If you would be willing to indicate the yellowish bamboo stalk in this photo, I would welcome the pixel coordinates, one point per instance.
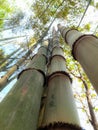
(5, 78)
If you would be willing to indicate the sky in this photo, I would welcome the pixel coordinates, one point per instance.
(90, 17)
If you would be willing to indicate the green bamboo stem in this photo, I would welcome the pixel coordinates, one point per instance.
(60, 110)
(42, 50)
(84, 50)
(57, 64)
(57, 50)
(37, 60)
(20, 108)
(60, 106)
(42, 106)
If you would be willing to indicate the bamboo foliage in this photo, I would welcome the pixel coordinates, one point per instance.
(84, 50)
(60, 108)
(20, 108)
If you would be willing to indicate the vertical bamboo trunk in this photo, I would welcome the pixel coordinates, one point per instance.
(44, 95)
(60, 111)
(84, 50)
(60, 108)
(20, 109)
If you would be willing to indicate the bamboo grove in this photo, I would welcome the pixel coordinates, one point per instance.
(42, 98)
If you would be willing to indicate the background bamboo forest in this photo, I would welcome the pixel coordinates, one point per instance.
(36, 62)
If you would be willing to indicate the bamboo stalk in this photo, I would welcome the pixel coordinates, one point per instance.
(9, 62)
(60, 106)
(60, 111)
(4, 60)
(10, 38)
(84, 50)
(42, 50)
(20, 108)
(57, 50)
(57, 64)
(4, 79)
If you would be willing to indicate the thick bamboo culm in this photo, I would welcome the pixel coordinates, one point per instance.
(60, 110)
(42, 50)
(85, 51)
(4, 79)
(20, 108)
(57, 50)
(60, 106)
(57, 64)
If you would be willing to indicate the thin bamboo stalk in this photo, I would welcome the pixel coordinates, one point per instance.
(9, 62)
(4, 79)
(5, 59)
(10, 38)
